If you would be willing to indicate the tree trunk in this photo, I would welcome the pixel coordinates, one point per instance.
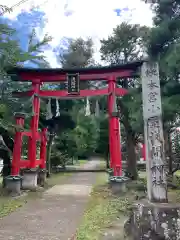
(131, 158)
(49, 147)
(130, 141)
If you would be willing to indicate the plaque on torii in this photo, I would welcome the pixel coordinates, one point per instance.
(73, 83)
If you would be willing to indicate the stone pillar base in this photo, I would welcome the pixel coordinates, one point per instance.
(153, 221)
(41, 179)
(110, 172)
(29, 179)
(118, 184)
(13, 185)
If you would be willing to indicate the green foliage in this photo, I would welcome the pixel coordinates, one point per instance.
(165, 32)
(86, 135)
(165, 10)
(131, 111)
(103, 141)
(60, 148)
(125, 44)
(164, 44)
(59, 158)
(82, 139)
(176, 144)
(79, 53)
(11, 55)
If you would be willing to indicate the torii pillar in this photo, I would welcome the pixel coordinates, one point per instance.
(114, 130)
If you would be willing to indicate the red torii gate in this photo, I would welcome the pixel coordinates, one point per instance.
(40, 76)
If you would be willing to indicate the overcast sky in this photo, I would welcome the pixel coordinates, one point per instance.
(83, 18)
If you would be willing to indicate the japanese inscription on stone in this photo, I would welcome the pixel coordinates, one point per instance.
(153, 133)
(156, 150)
(73, 83)
(151, 90)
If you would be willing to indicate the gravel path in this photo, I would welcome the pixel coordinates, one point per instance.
(54, 217)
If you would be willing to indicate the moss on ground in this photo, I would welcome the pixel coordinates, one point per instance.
(9, 204)
(104, 211)
(103, 208)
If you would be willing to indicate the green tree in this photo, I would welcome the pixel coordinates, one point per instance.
(79, 53)
(86, 135)
(103, 140)
(12, 55)
(127, 44)
(164, 45)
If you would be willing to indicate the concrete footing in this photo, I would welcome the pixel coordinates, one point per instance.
(155, 221)
(118, 184)
(13, 185)
(29, 179)
(41, 179)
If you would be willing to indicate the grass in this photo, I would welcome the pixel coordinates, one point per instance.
(177, 173)
(102, 209)
(173, 194)
(9, 204)
(82, 162)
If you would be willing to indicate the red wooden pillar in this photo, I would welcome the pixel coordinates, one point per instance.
(17, 145)
(118, 156)
(111, 88)
(114, 131)
(43, 148)
(34, 125)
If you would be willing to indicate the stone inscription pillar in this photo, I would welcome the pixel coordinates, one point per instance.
(153, 133)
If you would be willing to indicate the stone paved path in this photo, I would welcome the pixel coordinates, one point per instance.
(54, 217)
